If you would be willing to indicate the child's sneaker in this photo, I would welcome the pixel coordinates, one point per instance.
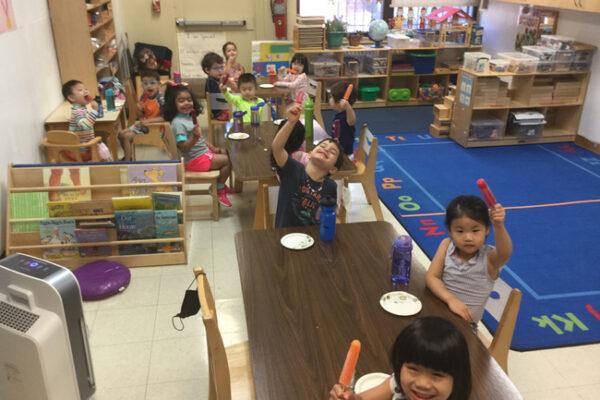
(223, 199)
(227, 189)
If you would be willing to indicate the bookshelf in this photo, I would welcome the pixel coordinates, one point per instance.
(74, 24)
(558, 95)
(106, 181)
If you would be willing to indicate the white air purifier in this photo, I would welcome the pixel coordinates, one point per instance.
(44, 352)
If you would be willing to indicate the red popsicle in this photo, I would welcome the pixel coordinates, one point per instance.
(350, 363)
(194, 119)
(488, 196)
(88, 98)
(348, 92)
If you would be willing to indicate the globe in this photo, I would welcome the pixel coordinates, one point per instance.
(378, 29)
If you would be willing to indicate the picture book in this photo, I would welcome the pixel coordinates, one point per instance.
(58, 231)
(92, 207)
(97, 223)
(28, 205)
(69, 176)
(132, 203)
(93, 235)
(167, 226)
(135, 224)
(59, 209)
(151, 174)
(166, 200)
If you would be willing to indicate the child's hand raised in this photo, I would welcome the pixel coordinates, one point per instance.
(459, 308)
(497, 215)
(293, 113)
(94, 104)
(197, 131)
(337, 392)
(344, 104)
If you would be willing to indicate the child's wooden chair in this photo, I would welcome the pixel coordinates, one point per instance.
(195, 178)
(229, 370)
(64, 146)
(506, 327)
(212, 123)
(366, 161)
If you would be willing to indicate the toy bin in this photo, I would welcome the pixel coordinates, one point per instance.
(582, 60)
(557, 42)
(398, 40)
(431, 92)
(324, 69)
(375, 65)
(489, 128)
(477, 61)
(526, 124)
(520, 63)
(563, 60)
(423, 62)
(499, 65)
(368, 92)
(399, 94)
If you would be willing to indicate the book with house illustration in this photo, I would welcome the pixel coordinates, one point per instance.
(67, 176)
(166, 200)
(167, 226)
(93, 235)
(58, 231)
(133, 225)
(28, 205)
(151, 173)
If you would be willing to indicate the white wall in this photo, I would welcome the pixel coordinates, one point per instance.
(30, 87)
(500, 30)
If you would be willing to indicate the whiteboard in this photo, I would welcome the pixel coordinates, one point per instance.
(193, 46)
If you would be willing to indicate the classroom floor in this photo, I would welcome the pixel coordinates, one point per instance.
(138, 355)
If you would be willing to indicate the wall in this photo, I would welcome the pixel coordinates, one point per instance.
(31, 87)
(499, 22)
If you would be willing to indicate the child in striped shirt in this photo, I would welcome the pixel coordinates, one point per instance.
(82, 120)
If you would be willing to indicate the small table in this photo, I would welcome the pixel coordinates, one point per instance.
(112, 122)
(303, 308)
(251, 161)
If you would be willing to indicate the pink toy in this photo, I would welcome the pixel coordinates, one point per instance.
(486, 192)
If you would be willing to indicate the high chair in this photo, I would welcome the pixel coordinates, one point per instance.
(229, 371)
(64, 146)
(366, 161)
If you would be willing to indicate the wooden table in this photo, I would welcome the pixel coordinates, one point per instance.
(277, 92)
(303, 308)
(251, 161)
(112, 122)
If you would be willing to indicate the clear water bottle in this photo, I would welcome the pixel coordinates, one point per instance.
(109, 95)
(327, 222)
(255, 115)
(401, 260)
(238, 121)
(100, 110)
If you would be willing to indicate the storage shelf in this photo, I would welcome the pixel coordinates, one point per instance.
(91, 7)
(384, 48)
(501, 74)
(440, 73)
(359, 76)
(515, 104)
(111, 37)
(100, 25)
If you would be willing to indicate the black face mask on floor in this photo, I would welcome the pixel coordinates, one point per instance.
(190, 306)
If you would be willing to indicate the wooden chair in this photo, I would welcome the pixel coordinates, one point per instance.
(64, 146)
(504, 332)
(208, 177)
(366, 161)
(229, 371)
(269, 204)
(212, 123)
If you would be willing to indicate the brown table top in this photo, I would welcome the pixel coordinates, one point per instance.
(251, 158)
(303, 308)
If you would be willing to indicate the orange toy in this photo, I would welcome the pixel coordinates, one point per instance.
(350, 364)
(348, 92)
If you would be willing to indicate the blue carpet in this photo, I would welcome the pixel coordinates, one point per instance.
(556, 258)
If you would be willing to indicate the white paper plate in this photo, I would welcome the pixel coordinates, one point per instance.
(266, 86)
(369, 381)
(278, 121)
(238, 136)
(400, 303)
(297, 241)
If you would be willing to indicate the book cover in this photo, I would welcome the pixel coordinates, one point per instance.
(93, 207)
(28, 205)
(97, 223)
(59, 209)
(167, 226)
(135, 224)
(151, 174)
(132, 203)
(93, 235)
(69, 176)
(58, 231)
(166, 200)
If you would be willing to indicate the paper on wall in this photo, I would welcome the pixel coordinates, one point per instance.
(193, 46)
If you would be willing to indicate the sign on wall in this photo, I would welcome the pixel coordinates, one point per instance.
(193, 46)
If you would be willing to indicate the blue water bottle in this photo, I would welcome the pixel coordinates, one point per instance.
(109, 95)
(100, 110)
(327, 227)
(401, 260)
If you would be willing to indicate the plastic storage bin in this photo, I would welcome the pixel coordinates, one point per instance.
(526, 123)
(375, 65)
(499, 65)
(520, 63)
(563, 60)
(557, 42)
(423, 62)
(477, 61)
(431, 92)
(398, 40)
(582, 60)
(368, 92)
(489, 128)
(323, 69)
(351, 67)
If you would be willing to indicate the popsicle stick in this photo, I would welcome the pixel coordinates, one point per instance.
(350, 363)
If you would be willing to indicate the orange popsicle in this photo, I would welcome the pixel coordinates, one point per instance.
(350, 363)
(348, 92)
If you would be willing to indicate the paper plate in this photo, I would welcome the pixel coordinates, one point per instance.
(266, 86)
(278, 121)
(238, 136)
(369, 381)
(297, 241)
(400, 303)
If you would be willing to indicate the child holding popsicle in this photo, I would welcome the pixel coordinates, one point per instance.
(342, 100)
(214, 67)
(181, 108)
(430, 358)
(296, 79)
(247, 97)
(464, 268)
(233, 69)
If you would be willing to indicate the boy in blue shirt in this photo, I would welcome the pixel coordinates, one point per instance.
(345, 115)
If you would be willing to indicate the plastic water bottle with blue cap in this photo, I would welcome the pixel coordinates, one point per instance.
(401, 260)
(327, 222)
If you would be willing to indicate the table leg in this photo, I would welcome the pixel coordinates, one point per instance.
(259, 209)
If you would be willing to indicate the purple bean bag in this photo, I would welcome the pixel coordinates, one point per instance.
(101, 279)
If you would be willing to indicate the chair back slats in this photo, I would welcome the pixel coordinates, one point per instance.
(62, 137)
(504, 332)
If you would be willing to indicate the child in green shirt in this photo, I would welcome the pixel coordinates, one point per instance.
(246, 98)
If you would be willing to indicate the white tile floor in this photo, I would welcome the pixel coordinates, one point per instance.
(138, 355)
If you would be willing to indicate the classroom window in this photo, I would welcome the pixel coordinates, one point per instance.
(357, 13)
